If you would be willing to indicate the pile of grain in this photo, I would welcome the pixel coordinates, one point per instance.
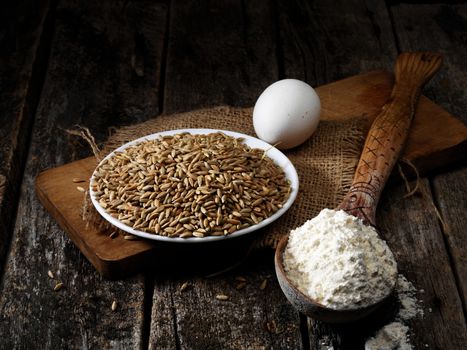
(188, 185)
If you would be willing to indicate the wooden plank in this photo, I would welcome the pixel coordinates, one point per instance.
(22, 67)
(221, 53)
(410, 226)
(251, 318)
(447, 25)
(90, 80)
(438, 27)
(450, 193)
(119, 52)
(324, 41)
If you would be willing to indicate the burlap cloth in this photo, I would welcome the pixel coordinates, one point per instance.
(325, 163)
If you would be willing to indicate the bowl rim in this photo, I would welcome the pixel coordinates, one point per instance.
(277, 156)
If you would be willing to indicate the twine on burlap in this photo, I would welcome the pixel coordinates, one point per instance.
(325, 163)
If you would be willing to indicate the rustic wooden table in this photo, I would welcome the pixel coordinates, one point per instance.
(112, 63)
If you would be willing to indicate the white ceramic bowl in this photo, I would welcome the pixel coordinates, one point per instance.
(277, 156)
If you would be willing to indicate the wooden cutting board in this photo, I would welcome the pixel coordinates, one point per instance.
(437, 139)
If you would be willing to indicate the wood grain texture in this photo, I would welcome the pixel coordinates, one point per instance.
(110, 48)
(80, 314)
(447, 25)
(113, 258)
(251, 318)
(90, 80)
(22, 65)
(203, 70)
(440, 27)
(219, 53)
(450, 193)
(411, 228)
(324, 41)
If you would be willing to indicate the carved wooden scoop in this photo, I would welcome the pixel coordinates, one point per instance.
(383, 145)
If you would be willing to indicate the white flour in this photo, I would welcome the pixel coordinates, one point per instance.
(395, 335)
(339, 262)
(409, 305)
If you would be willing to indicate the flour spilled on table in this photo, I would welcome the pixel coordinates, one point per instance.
(395, 335)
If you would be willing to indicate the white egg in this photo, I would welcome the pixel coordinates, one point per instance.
(287, 113)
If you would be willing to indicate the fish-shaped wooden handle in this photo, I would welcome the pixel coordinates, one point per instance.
(388, 134)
